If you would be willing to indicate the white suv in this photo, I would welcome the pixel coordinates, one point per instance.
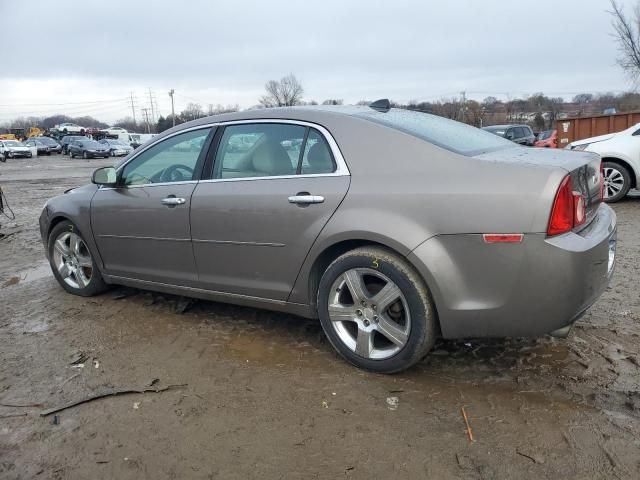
(620, 153)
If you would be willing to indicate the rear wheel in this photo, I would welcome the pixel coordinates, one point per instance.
(376, 310)
(617, 181)
(72, 263)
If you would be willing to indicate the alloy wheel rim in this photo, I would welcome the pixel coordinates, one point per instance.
(369, 313)
(72, 260)
(613, 182)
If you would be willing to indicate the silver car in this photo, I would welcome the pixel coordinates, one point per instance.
(392, 227)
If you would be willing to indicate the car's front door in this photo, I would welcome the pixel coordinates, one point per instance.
(272, 189)
(142, 226)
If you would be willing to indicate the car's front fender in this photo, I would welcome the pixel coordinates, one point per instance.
(74, 206)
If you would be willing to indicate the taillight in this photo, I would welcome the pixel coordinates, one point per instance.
(568, 211)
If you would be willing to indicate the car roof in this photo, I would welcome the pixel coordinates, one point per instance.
(507, 126)
(323, 115)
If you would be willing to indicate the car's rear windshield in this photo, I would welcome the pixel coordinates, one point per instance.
(449, 134)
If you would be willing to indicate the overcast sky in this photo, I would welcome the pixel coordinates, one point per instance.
(210, 52)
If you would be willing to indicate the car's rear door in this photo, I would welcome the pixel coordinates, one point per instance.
(272, 188)
(142, 226)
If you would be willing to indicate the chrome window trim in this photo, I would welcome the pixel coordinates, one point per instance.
(341, 165)
(161, 184)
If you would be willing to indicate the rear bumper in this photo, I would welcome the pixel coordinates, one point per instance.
(522, 289)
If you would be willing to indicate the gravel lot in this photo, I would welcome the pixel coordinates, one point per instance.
(264, 395)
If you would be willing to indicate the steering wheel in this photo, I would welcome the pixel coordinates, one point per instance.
(174, 173)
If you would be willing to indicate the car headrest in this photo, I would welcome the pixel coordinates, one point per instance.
(271, 158)
(319, 159)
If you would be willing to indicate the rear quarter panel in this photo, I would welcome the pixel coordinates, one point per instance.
(404, 191)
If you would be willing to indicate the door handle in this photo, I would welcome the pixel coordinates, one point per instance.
(172, 201)
(306, 199)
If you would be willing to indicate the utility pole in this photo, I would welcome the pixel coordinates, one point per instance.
(464, 106)
(133, 109)
(145, 114)
(153, 117)
(173, 113)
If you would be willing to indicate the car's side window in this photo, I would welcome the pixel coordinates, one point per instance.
(259, 150)
(171, 160)
(317, 156)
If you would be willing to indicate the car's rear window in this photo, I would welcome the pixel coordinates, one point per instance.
(449, 134)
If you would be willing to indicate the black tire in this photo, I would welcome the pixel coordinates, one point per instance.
(423, 328)
(65, 131)
(3, 158)
(96, 285)
(626, 177)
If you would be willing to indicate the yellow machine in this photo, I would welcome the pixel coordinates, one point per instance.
(35, 132)
(7, 136)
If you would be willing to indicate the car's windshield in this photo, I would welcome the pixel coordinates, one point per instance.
(449, 134)
(13, 143)
(46, 140)
(115, 143)
(495, 130)
(89, 143)
(544, 135)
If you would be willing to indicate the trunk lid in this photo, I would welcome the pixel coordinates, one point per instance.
(584, 168)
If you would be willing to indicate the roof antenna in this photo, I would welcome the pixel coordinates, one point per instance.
(383, 105)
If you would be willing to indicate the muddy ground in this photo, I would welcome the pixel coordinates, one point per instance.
(264, 395)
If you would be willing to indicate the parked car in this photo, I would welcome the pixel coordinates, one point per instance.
(547, 139)
(520, 134)
(620, 154)
(115, 131)
(54, 147)
(70, 128)
(14, 149)
(40, 146)
(387, 217)
(117, 148)
(66, 140)
(86, 148)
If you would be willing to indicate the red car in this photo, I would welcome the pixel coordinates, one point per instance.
(547, 139)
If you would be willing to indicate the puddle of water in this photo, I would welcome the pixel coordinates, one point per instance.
(259, 347)
(30, 275)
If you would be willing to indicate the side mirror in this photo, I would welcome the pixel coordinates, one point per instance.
(106, 176)
(510, 136)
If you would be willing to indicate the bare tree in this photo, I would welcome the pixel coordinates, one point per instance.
(627, 35)
(283, 93)
(193, 111)
(332, 101)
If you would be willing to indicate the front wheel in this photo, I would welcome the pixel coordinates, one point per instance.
(71, 261)
(617, 182)
(376, 310)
